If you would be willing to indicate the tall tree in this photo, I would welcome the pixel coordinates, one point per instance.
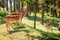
(18, 6)
(14, 6)
(22, 4)
(10, 5)
(42, 16)
(7, 5)
(35, 11)
(42, 2)
(3, 4)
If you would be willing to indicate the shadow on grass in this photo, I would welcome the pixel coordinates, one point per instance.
(46, 35)
(52, 22)
(45, 21)
(14, 31)
(43, 35)
(19, 29)
(32, 18)
(2, 21)
(19, 25)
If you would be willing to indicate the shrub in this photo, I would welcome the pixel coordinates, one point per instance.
(3, 13)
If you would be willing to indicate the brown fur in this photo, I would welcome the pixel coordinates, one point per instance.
(49, 25)
(15, 17)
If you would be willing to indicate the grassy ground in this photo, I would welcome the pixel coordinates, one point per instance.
(26, 30)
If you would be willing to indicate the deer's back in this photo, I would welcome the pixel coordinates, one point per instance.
(12, 18)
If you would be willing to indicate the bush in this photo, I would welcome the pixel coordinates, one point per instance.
(3, 13)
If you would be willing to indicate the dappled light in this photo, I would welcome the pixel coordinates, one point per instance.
(29, 19)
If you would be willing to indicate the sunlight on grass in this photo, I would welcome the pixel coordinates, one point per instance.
(4, 37)
(26, 29)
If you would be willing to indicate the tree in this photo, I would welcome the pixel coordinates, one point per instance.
(28, 7)
(42, 2)
(7, 5)
(14, 6)
(35, 11)
(22, 4)
(2, 4)
(42, 16)
(18, 6)
(10, 5)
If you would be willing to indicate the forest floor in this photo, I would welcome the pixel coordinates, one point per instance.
(26, 31)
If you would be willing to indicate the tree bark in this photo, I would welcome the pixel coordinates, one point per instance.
(3, 5)
(7, 5)
(11, 6)
(42, 19)
(59, 14)
(35, 11)
(18, 6)
(21, 5)
(35, 21)
(14, 6)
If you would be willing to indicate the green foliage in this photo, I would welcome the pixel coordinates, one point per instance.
(2, 21)
(3, 13)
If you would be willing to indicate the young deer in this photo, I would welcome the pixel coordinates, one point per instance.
(15, 17)
(49, 25)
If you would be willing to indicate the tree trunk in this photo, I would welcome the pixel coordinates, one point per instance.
(18, 6)
(59, 14)
(35, 21)
(27, 8)
(21, 5)
(42, 19)
(14, 6)
(35, 11)
(11, 6)
(3, 4)
(7, 5)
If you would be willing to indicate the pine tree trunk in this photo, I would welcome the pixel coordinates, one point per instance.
(14, 6)
(59, 14)
(18, 6)
(21, 5)
(7, 5)
(28, 9)
(3, 5)
(35, 21)
(42, 19)
(35, 11)
(11, 6)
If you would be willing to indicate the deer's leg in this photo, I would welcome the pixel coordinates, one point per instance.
(11, 25)
(21, 20)
(7, 26)
(16, 24)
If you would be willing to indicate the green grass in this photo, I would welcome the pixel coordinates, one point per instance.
(54, 20)
(42, 35)
(32, 33)
(2, 21)
(28, 30)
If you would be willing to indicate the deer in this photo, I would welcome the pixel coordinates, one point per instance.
(49, 25)
(15, 18)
